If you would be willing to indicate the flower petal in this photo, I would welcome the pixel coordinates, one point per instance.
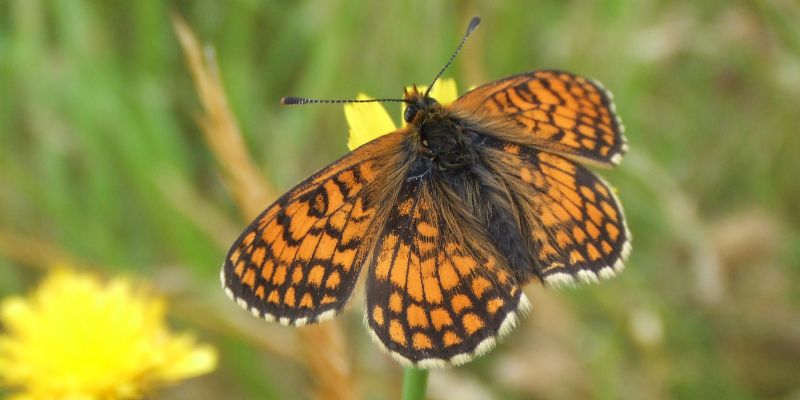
(80, 337)
(367, 121)
(445, 91)
(190, 360)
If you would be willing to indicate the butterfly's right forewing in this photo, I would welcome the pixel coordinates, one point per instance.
(554, 111)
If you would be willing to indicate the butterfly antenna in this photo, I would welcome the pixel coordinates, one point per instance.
(292, 101)
(473, 23)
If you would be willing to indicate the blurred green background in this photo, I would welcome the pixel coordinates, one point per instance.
(102, 164)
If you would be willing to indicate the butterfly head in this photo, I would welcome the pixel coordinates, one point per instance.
(418, 105)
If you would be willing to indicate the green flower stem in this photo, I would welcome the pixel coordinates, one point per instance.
(415, 381)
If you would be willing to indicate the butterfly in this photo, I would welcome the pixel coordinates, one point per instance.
(448, 217)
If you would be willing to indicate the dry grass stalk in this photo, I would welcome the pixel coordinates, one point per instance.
(248, 187)
(37, 253)
(212, 313)
(324, 345)
(325, 351)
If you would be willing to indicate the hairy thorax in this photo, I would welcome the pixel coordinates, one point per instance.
(447, 143)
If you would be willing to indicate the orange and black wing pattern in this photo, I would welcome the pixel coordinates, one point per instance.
(432, 300)
(576, 223)
(554, 111)
(299, 261)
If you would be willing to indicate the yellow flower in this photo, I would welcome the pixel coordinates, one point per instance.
(77, 338)
(368, 121)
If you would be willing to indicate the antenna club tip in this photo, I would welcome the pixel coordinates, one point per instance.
(473, 23)
(288, 101)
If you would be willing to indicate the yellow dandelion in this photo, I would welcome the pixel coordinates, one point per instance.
(368, 121)
(77, 338)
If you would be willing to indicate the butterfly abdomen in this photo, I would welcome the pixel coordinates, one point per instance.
(504, 231)
(502, 222)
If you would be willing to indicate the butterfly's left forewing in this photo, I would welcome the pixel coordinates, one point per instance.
(299, 261)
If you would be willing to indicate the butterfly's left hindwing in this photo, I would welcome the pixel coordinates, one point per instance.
(299, 261)
(433, 297)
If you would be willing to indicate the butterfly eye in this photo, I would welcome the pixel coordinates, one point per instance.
(411, 112)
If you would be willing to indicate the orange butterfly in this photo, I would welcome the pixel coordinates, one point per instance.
(450, 216)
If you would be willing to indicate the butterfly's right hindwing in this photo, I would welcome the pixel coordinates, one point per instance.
(572, 218)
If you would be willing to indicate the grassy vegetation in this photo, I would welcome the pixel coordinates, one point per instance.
(103, 164)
